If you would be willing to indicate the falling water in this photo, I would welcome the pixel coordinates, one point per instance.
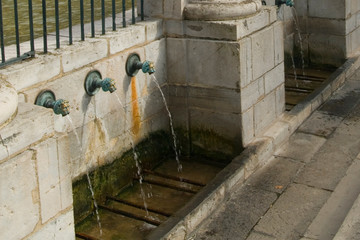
(171, 123)
(87, 175)
(297, 28)
(136, 158)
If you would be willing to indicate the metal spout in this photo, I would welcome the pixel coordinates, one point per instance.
(47, 99)
(134, 64)
(94, 82)
(289, 3)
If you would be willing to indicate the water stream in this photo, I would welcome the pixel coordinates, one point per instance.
(171, 123)
(297, 29)
(136, 158)
(87, 175)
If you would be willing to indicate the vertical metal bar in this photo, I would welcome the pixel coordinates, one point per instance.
(70, 22)
(103, 17)
(113, 15)
(124, 10)
(133, 11)
(92, 19)
(31, 26)
(142, 10)
(82, 20)
(17, 28)
(44, 25)
(2, 35)
(57, 24)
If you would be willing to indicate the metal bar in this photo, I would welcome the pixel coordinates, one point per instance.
(124, 13)
(166, 214)
(70, 22)
(102, 17)
(44, 25)
(142, 10)
(16, 16)
(133, 11)
(113, 15)
(166, 185)
(92, 19)
(131, 215)
(57, 24)
(82, 20)
(85, 236)
(2, 35)
(31, 26)
(17, 59)
(174, 178)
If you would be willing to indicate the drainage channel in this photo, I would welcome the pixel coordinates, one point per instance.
(305, 82)
(140, 208)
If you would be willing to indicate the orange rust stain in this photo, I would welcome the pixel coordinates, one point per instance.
(135, 108)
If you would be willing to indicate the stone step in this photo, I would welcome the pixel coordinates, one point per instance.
(350, 228)
(332, 214)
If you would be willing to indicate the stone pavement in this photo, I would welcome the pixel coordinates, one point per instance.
(309, 189)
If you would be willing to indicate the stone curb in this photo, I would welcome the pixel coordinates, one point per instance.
(256, 154)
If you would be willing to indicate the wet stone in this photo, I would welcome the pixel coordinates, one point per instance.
(236, 219)
(293, 212)
(301, 146)
(320, 124)
(276, 176)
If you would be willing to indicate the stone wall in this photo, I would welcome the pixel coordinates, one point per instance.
(328, 31)
(41, 154)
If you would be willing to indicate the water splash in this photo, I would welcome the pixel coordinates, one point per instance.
(297, 28)
(171, 123)
(87, 175)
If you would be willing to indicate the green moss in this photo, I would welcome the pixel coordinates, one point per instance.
(110, 179)
(208, 143)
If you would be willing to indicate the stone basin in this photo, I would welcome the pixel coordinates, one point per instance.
(221, 9)
(8, 102)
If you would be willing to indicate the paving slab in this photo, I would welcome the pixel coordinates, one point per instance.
(293, 212)
(331, 162)
(321, 124)
(236, 218)
(344, 101)
(275, 176)
(334, 211)
(301, 146)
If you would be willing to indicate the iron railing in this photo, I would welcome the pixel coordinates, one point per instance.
(79, 14)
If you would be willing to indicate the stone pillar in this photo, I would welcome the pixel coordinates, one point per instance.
(225, 73)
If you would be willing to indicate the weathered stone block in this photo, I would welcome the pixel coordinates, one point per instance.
(204, 69)
(280, 100)
(322, 9)
(153, 8)
(154, 29)
(264, 113)
(246, 74)
(247, 126)
(218, 99)
(173, 9)
(156, 53)
(125, 38)
(279, 132)
(263, 51)
(30, 125)
(274, 78)
(252, 93)
(83, 53)
(42, 69)
(176, 50)
(251, 24)
(64, 171)
(48, 176)
(279, 42)
(19, 203)
(60, 228)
